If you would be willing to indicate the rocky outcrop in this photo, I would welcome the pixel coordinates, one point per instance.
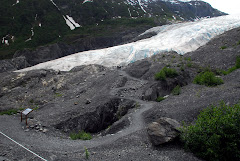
(163, 130)
(98, 120)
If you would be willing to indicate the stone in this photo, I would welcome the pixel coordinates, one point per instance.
(88, 101)
(163, 130)
(45, 130)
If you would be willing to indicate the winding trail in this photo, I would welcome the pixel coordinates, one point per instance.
(11, 126)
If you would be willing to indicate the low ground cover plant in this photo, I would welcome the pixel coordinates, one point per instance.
(176, 90)
(215, 134)
(159, 99)
(207, 78)
(11, 111)
(81, 135)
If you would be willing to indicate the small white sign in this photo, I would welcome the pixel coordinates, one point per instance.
(27, 111)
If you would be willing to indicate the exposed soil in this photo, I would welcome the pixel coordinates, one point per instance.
(114, 104)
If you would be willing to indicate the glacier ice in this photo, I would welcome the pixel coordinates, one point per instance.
(181, 37)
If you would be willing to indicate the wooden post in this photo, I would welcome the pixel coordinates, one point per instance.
(21, 116)
(26, 119)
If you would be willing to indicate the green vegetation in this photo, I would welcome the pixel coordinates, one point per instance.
(238, 43)
(207, 78)
(189, 64)
(176, 90)
(81, 135)
(223, 47)
(188, 59)
(137, 105)
(230, 70)
(159, 99)
(166, 72)
(58, 94)
(86, 153)
(11, 111)
(215, 134)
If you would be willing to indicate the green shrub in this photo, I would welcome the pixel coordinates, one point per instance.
(207, 78)
(170, 72)
(223, 47)
(215, 134)
(81, 135)
(176, 90)
(166, 72)
(160, 75)
(159, 99)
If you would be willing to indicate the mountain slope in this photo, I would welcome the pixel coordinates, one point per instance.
(31, 23)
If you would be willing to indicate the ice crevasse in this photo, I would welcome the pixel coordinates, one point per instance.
(181, 37)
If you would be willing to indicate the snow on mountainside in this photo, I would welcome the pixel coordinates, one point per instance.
(182, 38)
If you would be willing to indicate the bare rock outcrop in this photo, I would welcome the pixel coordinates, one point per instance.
(163, 130)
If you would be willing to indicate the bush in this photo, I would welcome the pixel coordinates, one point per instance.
(215, 134)
(160, 75)
(207, 78)
(176, 90)
(166, 72)
(81, 135)
(159, 99)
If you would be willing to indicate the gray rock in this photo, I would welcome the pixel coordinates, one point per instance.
(163, 130)
(88, 101)
(45, 130)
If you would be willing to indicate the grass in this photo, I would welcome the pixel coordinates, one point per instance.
(207, 78)
(58, 94)
(166, 72)
(215, 134)
(11, 111)
(159, 99)
(81, 135)
(176, 90)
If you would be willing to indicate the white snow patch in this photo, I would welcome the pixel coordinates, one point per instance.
(68, 22)
(16, 3)
(87, 1)
(72, 21)
(141, 5)
(29, 39)
(182, 38)
(129, 12)
(55, 4)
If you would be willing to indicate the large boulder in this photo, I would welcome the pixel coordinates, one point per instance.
(163, 130)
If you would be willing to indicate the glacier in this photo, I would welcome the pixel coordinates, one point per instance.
(182, 38)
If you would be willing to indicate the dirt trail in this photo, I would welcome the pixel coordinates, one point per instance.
(11, 126)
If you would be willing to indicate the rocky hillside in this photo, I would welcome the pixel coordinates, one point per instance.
(114, 104)
(81, 25)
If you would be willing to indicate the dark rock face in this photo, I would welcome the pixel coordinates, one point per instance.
(163, 130)
(98, 120)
